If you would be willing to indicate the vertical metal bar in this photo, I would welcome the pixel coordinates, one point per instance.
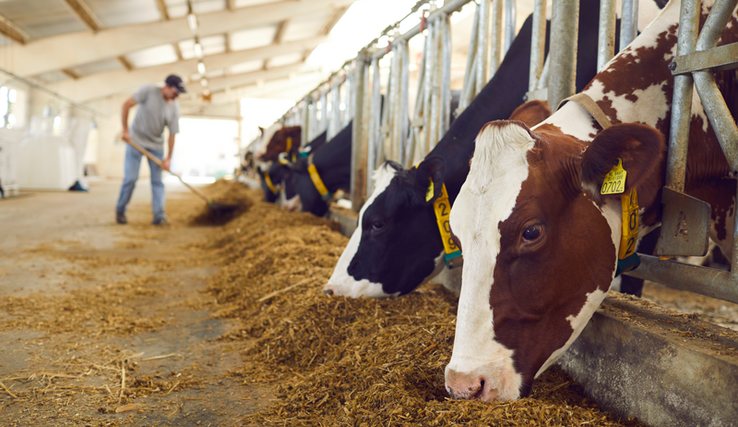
(628, 23)
(467, 90)
(323, 113)
(405, 85)
(305, 121)
(335, 109)
(483, 46)
(358, 134)
(435, 86)
(537, 44)
(313, 126)
(681, 110)
(429, 56)
(565, 25)
(606, 33)
(445, 114)
(495, 52)
(510, 23)
(374, 124)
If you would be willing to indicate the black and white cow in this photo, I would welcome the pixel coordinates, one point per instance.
(332, 161)
(397, 244)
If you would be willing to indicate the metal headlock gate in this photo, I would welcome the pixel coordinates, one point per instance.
(383, 128)
(693, 67)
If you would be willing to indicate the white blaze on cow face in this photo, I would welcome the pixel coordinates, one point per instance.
(480, 367)
(341, 282)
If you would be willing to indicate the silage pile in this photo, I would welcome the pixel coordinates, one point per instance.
(341, 361)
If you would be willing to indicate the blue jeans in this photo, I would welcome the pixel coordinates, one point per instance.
(132, 166)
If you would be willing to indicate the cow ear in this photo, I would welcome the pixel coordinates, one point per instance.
(531, 113)
(641, 149)
(431, 169)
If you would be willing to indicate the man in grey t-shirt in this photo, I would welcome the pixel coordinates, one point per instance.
(157, 107)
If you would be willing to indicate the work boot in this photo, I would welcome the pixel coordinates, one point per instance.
(120, 218)
(160, 222)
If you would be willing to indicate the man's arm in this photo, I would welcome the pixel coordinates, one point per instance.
(130, 102)
(167, 161)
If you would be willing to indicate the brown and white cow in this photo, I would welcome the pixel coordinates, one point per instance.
(540, 242)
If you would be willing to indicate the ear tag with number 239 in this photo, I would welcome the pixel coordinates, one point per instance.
(614, 182)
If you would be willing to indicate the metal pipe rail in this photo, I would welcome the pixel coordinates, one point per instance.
(693, 67)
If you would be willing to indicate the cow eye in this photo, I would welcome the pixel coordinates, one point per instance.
(377, 225)
(532, 233)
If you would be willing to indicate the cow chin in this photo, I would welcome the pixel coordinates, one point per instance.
(495, 380)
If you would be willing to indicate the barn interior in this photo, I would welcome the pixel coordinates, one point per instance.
(217, 316)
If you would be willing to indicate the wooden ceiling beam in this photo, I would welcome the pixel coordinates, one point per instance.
(125, 63)
(85, 14)
(54, 53)
(163, 10)
(70, 73)
(178, 51)
(12, 31)
(333, 19)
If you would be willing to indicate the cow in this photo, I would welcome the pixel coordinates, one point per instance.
(541, 243)
(283, 140)
(332, 162)
(276, 175)
(397, 244)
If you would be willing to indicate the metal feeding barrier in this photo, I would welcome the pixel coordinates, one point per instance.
(685, 220)
(383, 127)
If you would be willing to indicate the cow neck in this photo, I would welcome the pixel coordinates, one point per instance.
(627, 257)
(269, 183)
(317, 180)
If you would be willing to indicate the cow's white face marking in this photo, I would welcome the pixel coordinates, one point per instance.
(341, 282)
(487, 198)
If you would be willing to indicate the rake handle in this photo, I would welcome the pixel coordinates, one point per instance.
(158, 163)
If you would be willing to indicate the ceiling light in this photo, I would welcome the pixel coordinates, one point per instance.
(206, 92)
(204, 82)
(192, 21)
(198, 50)
(201, 68)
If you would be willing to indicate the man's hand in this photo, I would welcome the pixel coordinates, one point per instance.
(125, 136)
(165, 164)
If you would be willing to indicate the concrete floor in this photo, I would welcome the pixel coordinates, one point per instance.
(58, 247)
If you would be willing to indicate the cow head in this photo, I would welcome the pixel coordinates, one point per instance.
(283, 140)
(540, 247)
(396, 245)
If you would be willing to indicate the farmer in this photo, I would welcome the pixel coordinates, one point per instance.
(157, 107)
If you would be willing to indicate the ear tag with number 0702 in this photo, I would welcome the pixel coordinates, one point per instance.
(614, 182)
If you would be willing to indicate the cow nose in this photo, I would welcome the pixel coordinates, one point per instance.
(328, 291)
(466, 386)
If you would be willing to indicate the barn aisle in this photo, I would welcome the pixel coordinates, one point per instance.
(104, 324)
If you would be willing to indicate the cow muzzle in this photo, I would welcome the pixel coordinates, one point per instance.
(488, 383)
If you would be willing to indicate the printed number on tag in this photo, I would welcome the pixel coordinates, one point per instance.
(614, 182)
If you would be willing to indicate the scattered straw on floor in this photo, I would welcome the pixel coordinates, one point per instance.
(341, 361)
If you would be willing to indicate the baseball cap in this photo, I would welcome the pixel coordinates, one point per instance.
(176, 83)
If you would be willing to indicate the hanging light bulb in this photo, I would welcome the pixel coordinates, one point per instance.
(201, 67)
(191, 18)
(198, 48)
(204, 82)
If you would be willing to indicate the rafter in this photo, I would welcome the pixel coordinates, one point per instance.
(70, 73)
(100, 85)
(84, 13)
(12, 31)
(125, 63)
(162, 6)
(281, 29)
(333, 19)
(231, 4)
(53, 53)
(178, 51)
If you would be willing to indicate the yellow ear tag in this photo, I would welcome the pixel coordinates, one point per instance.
(431, 192)
(614, 182)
